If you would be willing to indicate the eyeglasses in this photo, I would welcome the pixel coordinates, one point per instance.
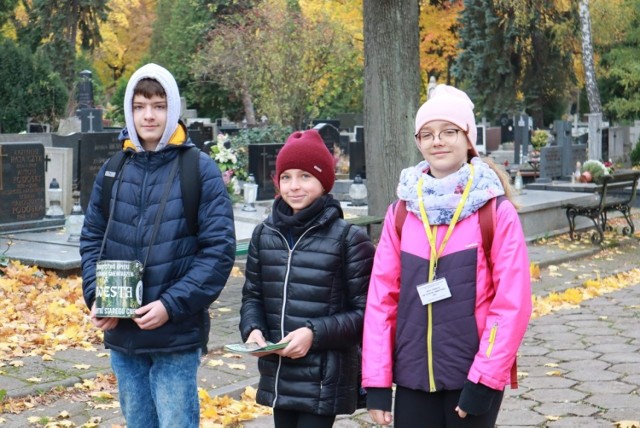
(447, 136)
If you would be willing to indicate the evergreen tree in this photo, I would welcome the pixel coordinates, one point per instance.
(56, 26)
(517, 56)
(620, 64)
(29, 89)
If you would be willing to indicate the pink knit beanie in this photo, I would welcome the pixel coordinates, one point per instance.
(307, 151)
(452, 105)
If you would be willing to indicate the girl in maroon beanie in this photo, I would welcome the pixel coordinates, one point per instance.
(307, 277)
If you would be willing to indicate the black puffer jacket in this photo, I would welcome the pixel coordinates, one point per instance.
(310, 285)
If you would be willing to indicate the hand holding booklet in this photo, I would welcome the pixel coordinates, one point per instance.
(250, 348)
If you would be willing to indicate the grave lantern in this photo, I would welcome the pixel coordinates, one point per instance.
(358, 192)
(55, 200)
(250, 191)
(74, 222)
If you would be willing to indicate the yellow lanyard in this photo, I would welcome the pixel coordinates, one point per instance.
(432, 235)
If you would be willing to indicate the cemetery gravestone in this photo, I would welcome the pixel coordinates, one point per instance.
(331, 136)
(90, 119)
(262, 164)
(550, 164)
(95, 149)
(199, 134)
(506, 129)
(22, 186)
(357, 155)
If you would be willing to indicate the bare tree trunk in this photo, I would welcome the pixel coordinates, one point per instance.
(391, 95)
(593, 94)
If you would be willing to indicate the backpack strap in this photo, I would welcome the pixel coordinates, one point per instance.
(114, 165)
(487, 228)
(401, 215)
(190, 186)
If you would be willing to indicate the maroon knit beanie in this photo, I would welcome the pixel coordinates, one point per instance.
(306, 151)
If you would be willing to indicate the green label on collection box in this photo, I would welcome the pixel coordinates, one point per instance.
(118, 288)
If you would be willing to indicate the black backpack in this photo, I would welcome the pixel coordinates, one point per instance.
(189, 183)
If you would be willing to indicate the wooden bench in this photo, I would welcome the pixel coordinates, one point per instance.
(611, 195)
(365, 221)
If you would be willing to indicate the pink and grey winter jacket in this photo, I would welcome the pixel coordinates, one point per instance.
(474, 334)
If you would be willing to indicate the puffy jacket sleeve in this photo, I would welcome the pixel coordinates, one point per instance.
(216, 242)
(510, 309)
(92, 234)
(252, 312)
(344, 328)
(381, 309)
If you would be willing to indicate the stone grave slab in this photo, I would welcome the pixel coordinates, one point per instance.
(22, 183)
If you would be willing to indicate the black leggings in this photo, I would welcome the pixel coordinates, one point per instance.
(437, 410)
(295, 419)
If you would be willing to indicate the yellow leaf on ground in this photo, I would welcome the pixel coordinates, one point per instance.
(16, 363)
(102, 355)
(237, 366)
(215, 363)
(64, 414)
(224, 310)
(34, 379)
(82, 366)
(551, 365)
(627, 424)
(47, 357)
(102, 394)
(554, 373)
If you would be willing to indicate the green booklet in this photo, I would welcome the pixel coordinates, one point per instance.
(250, 348)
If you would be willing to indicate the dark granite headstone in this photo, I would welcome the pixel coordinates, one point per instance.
(262, 164)
(550, 163)
(22, 187)
(85, 90)
(95, 149)
(605, 144)
(522, 137)
(330, 135)
(357, 155)
(506, 128)
(200, 133)
(90, 119)
(333, 122)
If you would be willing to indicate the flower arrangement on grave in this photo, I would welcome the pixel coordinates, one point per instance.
(592, 171)
(539, 139)
(228, 160)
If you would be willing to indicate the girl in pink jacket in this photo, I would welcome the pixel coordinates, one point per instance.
(444, 320)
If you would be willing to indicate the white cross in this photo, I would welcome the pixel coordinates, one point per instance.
(90, 117)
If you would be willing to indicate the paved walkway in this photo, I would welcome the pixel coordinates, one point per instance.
(580, 366)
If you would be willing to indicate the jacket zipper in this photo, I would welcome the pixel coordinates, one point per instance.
(284, 301)
(492, 339)
(432, 382)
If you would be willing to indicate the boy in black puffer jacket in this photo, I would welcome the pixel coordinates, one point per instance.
(307, 278)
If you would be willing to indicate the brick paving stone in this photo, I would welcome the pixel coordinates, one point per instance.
(610, 348)
(614, 387)
(616, 401)
(575, 422)
(582, 365)
(548, 382)
(625, 368)
(592, 375)
(567, 409)
(574, 354)
(520, 418)
(621, 357)
(547, 395)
